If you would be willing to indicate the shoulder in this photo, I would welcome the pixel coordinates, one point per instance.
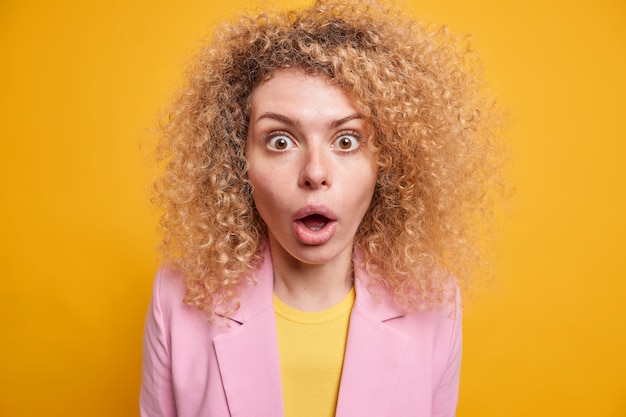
(441, 324)
(180, 322)
(168, 307)
(168, 288)
(380, 303)
(167, 295)
(431, 343)
(437, 328)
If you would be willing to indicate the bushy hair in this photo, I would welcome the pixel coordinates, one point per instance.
(420, 90)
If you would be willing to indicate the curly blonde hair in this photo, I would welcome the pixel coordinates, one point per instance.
(420, 89)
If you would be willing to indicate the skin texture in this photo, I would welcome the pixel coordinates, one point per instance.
(313, 178)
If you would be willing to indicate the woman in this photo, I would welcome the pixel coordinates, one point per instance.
(322, 171)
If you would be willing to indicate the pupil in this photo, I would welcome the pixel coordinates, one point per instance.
(281, 143)
(345, 143)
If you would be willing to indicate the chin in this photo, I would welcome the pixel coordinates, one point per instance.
(320, 254)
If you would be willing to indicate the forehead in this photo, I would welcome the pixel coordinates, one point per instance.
(293, 90)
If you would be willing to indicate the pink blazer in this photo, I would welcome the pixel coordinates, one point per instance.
(395, 364)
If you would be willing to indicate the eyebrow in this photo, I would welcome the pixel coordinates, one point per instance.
(288, 121)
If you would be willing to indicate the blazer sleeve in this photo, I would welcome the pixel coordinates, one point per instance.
(445, 397)
(157, 395)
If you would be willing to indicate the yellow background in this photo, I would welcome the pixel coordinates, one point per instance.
(83, 83)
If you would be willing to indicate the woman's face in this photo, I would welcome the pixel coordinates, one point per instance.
(312, 172)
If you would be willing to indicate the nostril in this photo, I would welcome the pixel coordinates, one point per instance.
(315, 184)
(314, 173)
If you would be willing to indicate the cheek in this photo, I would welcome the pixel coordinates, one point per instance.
(368, 182)
(265, 189)
(368, 186)
(258, 184)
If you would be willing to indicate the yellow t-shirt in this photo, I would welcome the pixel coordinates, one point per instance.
(312, 347)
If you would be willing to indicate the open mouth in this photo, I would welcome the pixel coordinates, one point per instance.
(315, 222)
(314, 225)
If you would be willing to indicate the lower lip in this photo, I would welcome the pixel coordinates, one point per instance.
(314, 238)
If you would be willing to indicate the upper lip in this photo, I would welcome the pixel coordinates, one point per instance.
(312, 209)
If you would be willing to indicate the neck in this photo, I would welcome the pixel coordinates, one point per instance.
(311, 287)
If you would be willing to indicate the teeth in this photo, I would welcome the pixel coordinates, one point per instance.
(315, 222)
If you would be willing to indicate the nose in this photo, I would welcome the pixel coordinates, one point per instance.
(315, 172)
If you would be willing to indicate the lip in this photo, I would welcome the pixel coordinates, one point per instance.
(311, 237)
(314, 209)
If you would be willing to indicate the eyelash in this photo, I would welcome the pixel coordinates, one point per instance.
(356, 135)
(269, 137)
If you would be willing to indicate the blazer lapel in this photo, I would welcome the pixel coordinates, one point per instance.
(248, 354)
(249, 362)
(374, 356)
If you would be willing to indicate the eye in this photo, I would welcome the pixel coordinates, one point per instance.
(347, 141)
(280, 142)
